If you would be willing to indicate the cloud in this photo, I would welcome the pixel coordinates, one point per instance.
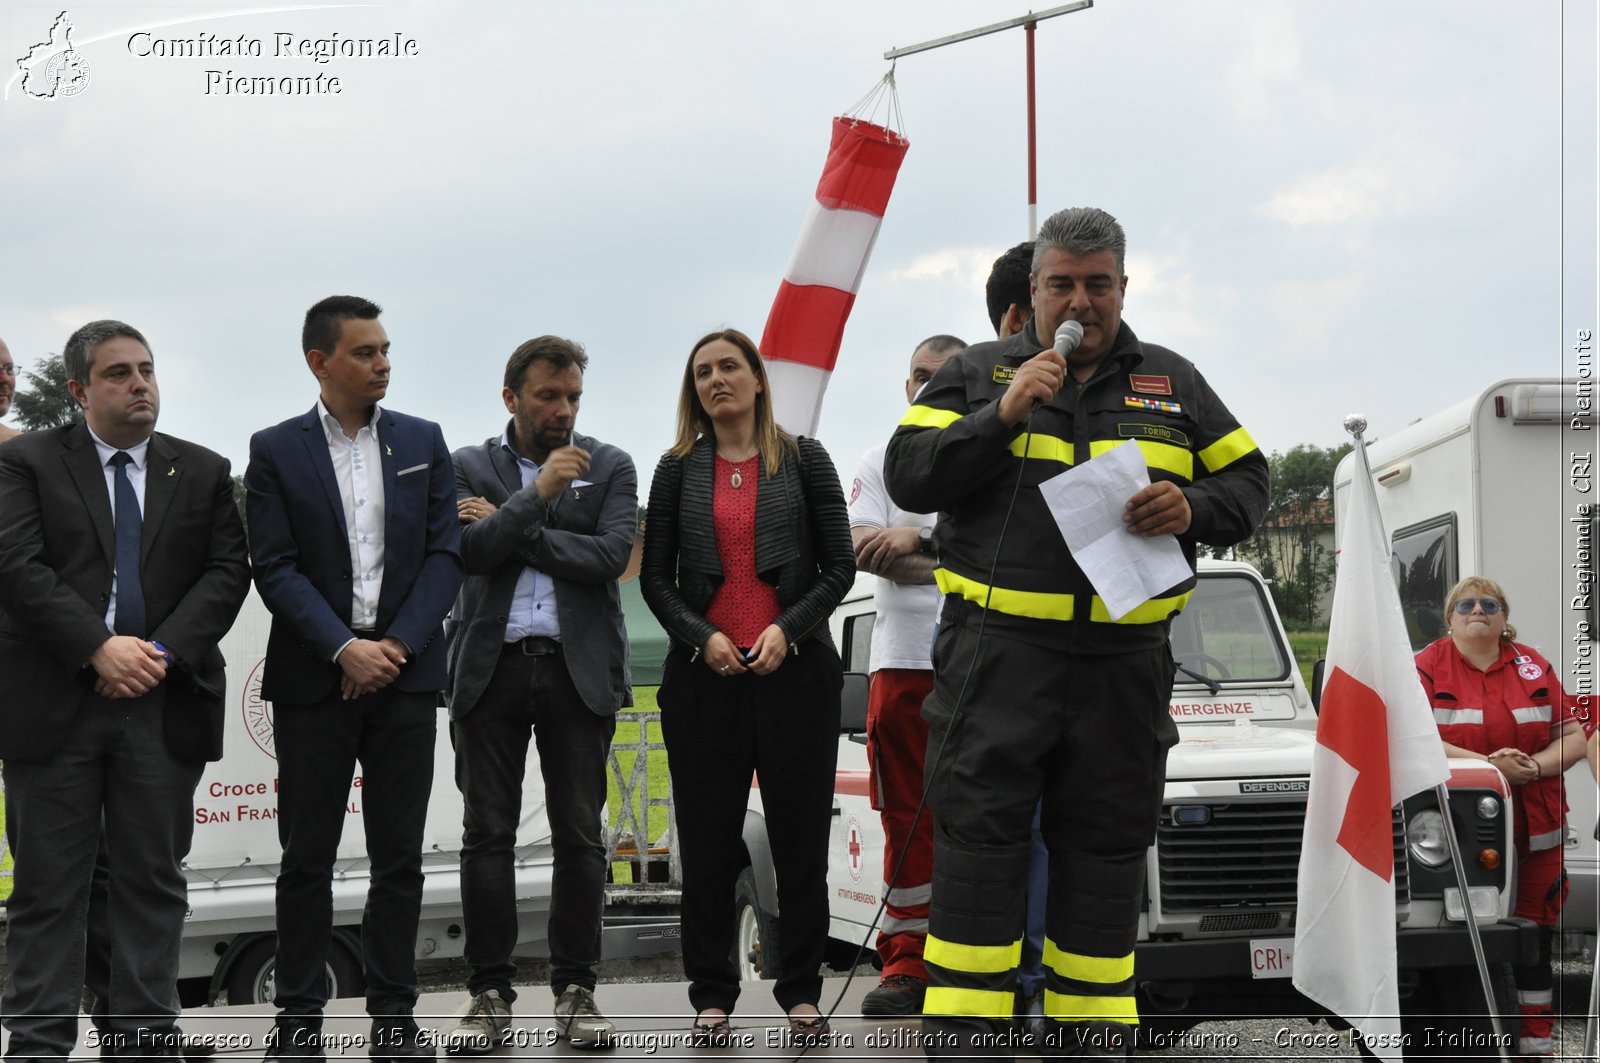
(1166, 299)
(1310, 310)
(1361, 192)
(966, 266)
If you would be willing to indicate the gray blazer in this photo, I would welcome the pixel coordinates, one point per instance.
(581, 539)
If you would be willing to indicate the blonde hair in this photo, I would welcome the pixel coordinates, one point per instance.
(1480, 586)
(772, 442)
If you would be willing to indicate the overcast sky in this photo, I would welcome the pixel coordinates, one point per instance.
(1330, 207)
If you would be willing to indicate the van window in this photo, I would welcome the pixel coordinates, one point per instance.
(858, 641)
(1227, 633)
(1424, 562)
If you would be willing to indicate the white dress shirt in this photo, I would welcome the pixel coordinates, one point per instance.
(358, 467)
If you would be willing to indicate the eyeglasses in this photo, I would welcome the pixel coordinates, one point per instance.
(1465, 606)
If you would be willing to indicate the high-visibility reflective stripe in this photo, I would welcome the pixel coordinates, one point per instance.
(1064, 1007)
(1044, 605)
(1227, 450)
(892, 926)
(1038, 604)
(1535, 1046)
(1107, 970)
(928, 417)
(976, 959)
(1532, 714)
(1536, 997)
(906, 896)
(1043, 447)
(1157, 455)
(1151, 612)
(1444, 717)
(978, 1003)
(1548, 840)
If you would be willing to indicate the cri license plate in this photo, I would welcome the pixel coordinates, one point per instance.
(1271, 957)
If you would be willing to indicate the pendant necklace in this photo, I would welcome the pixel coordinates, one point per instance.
(736, 478)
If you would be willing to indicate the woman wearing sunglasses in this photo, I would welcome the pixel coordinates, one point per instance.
(1497, 700)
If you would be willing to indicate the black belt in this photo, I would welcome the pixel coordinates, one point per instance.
(534, 646)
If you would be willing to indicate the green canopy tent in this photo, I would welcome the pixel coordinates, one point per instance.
(647, 641)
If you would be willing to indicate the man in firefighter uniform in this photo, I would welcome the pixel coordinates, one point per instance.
(1038, 694)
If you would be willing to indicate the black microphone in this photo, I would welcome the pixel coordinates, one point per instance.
(1068, 336)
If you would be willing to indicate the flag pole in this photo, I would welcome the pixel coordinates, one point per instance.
(1589, 1030)
(1356, 425)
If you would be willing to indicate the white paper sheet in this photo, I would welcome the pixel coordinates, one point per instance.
(1087, 503)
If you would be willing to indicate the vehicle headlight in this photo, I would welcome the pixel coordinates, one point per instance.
(1426, 839)
(1488, 807)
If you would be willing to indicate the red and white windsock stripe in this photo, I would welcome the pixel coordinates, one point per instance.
(806, 325)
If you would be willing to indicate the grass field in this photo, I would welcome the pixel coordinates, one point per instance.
(650, 784)
(1307, 646)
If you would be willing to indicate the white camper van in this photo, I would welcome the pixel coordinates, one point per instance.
(1502, 485)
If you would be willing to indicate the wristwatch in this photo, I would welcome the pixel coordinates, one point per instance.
(925, 540)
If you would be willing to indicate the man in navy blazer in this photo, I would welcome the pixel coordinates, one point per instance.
(538, 649)
(122, 565)
(356, 550)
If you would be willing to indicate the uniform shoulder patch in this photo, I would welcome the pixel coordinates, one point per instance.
(1004, 374)
(1149, 384)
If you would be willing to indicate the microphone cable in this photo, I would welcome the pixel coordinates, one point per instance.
(929, 769)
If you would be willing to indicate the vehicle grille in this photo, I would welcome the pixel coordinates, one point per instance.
(1247, 855)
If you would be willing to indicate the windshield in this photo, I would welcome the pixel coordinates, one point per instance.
(1226, 633)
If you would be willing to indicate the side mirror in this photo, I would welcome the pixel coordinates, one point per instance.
(1318, 673)
(853, 703)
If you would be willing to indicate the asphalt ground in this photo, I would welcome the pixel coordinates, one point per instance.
(1269, 1038)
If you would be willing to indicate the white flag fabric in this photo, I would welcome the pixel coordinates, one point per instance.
(1376, 745)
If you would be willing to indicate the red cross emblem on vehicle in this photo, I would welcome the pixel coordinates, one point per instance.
(852, 846)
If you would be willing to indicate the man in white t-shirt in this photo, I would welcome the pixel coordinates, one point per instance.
(897, 547)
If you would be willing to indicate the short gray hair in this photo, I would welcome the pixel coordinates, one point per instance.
(78, 354)
(1081, 231)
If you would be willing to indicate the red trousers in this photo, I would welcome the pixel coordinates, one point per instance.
(897, 742)
(1541, 893)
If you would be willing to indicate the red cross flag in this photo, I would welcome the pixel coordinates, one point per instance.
(806, 324)
(1376, 746)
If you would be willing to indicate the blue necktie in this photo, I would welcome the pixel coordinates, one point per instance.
(130, 524)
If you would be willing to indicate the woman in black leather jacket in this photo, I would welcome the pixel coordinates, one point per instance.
(747, 552)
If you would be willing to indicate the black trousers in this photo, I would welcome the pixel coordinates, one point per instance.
(1087, 736)
(390, 734)
(532, 695)
(115, 768)
(785, 728)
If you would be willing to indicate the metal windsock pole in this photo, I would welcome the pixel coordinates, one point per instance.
(1356, 425)
(1027, 22)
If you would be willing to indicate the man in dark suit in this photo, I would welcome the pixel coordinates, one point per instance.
(538, 647)
(122, 565)
(356, 547)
